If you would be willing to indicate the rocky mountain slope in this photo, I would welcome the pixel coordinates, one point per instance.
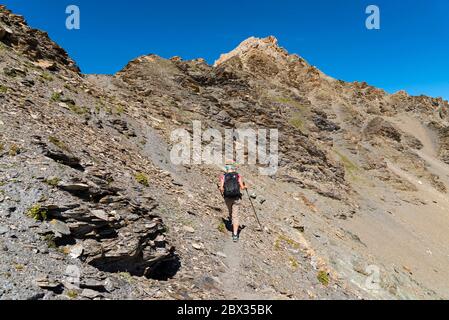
(357, 209)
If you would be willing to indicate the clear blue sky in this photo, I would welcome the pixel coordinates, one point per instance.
(411, 51)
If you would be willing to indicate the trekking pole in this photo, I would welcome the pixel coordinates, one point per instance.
(254, 210)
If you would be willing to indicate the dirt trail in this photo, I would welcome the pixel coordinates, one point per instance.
(233, 281)
(422, 186)
(413, 126)
(243, 256)
(411, 236)
(429, 140)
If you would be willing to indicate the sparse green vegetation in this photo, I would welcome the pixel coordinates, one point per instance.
(323, 278)
(126, 276)
(58, 143)
(77, 109)
(283, 100)
(120, 109)
(50, 241)
(102, 106)
(299, 118)
(37, 213)
(294, 263)
(292, 243)
(298, 122)
(350, 167)
(19, 267)
(14, 150)
(56, 97)
(72, 294)
(68, 87)
(47, 76)
(3, 89)
(277, 244)
(222, 227)
(52, 181)
(108, 109)
(142, 179)
(290, 102)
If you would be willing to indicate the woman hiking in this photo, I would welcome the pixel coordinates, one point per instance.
(231, 184)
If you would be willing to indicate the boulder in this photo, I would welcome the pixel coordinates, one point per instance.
(4, 31)
(59, 228)
(46, 64)
(100, 214)
(189, 229)
(76, 251)
(48, 284)
(90, 294)
(73, 187)
(382, 128)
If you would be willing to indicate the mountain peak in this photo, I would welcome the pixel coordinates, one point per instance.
(268, 45)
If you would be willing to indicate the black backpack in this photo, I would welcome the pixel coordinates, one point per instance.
(231, 185)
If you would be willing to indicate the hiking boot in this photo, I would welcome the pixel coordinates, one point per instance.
(235, 238)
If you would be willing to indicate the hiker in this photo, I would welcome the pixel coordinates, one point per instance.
(231, 184)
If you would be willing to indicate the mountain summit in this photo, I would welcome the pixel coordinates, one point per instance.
(92, 207)
(267, 45)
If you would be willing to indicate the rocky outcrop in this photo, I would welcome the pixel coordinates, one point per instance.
(35, 44)
(382, 128)
(268, 45)
(114, 235)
